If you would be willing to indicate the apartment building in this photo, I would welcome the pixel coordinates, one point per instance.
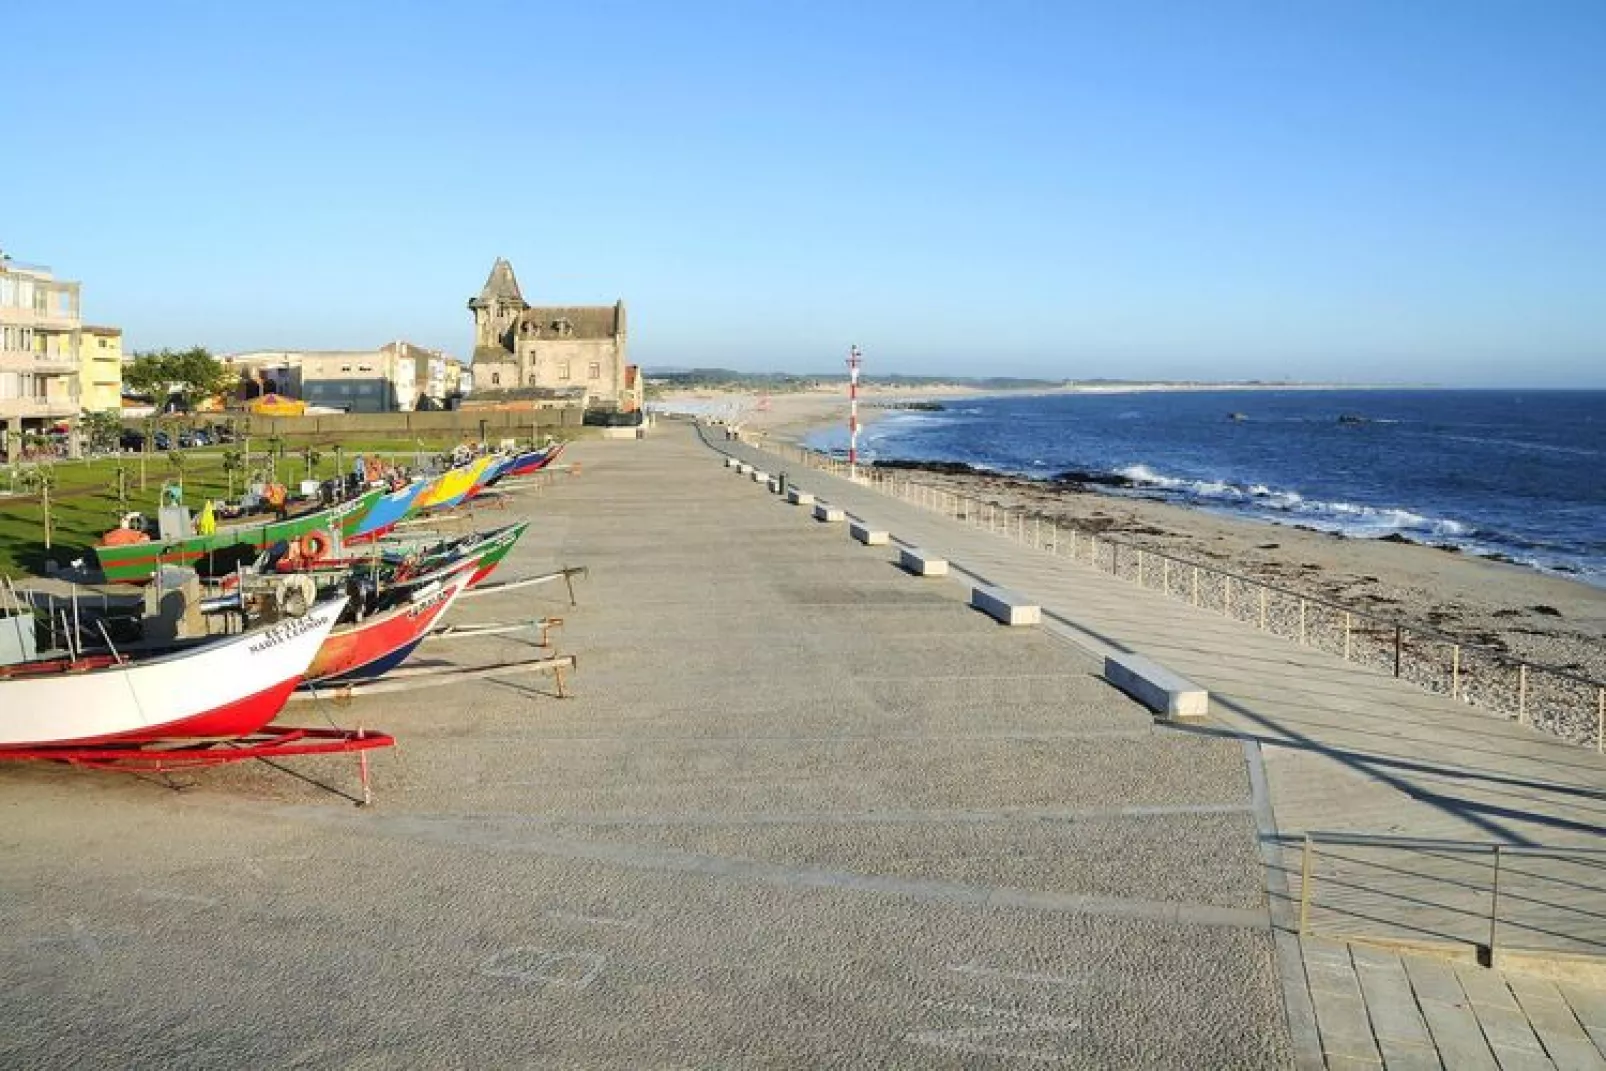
(100, 369)
(40, 343)
(359, 381)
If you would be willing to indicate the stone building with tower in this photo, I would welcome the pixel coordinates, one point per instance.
(549, 352)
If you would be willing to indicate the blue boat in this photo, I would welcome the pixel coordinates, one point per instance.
(387, 511)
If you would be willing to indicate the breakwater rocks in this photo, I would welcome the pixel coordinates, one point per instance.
(1069, 480)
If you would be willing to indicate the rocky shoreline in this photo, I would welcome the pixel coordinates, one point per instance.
(1509, 608)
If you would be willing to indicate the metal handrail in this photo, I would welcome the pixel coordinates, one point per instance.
(1423, 630)
(1496, 849)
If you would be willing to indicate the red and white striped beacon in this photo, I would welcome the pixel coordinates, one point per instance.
(854, 358)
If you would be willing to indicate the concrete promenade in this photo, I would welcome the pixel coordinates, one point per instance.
(1345, 748)
(803, 810)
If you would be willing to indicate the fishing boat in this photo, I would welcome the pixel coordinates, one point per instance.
(375, 644)
(528, 464)
(133, 563)
(390, 508)
(454, 485)
(489, 548)
(225, 688)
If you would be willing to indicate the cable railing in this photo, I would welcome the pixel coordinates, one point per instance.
(1487, 896)
(1550, 698)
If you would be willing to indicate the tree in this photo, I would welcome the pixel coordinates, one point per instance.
(119, 486)
(101, 431)
(193, 375)
(42, 478)
(233, 464)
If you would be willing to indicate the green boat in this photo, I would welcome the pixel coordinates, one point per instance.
(134, 563)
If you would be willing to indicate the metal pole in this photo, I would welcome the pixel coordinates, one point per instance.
(1494, 905)
(1347, 628)
(854, 357)
(1302, 622)
(1304, 889)
(1455, 671)
(1522, 694)
(1399, 643)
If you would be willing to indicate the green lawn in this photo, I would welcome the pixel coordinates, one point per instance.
(84, 500)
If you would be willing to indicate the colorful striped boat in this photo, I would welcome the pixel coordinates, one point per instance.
(390, 509)
(455, 485)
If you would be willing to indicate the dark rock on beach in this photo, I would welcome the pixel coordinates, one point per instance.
(1093, 479)
(945, 468)
(1395, 537)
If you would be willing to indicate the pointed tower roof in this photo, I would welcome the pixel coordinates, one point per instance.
(500, 284)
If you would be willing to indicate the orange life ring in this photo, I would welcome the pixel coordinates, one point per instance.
(316, 545)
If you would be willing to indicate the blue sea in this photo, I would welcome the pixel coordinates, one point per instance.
(1520, 474)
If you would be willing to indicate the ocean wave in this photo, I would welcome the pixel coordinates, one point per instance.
(1349, 518)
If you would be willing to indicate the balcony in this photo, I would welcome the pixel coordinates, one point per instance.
(38, 363)
(38, 407)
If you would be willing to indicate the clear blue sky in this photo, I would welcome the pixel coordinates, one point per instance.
(1361, 191)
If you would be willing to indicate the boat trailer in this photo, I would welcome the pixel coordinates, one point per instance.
(566, 574)
(411, 678)
(166, 756)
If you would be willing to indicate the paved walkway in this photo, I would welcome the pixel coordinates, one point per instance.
(1344, 748)
(803, 810)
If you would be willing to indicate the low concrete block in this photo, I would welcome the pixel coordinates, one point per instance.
(800, 498)
(1006, 606)
(744, 469)
(774, 485)
(824, 512)
(760, 477)
(870, 537)
(1162, 691)
(731, 462)
(920, 563)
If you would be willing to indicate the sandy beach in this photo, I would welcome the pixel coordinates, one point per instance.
(1532, 615)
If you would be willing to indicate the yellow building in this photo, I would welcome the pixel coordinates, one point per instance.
(100, 371)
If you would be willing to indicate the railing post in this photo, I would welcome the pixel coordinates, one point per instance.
(1399, 644)
(1304, 889)
(1196, 585)
(1226, 594)
(1522, 693)
(1302, 622)
(1494, 905)
(1455, 671)
(1165, 574)
(1140, 567)
(1263, 609)
(1600, 720)
(1347, 628)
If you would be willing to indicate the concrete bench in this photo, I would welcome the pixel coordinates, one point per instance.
(1005, 606)
(760, 477)
(1162, 691)
(744, 469)
(731, 462)
(920, 563)
(800, 498)
(870, 537)
(824, 512)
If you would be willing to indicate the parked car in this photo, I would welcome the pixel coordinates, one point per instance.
(130, 439)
